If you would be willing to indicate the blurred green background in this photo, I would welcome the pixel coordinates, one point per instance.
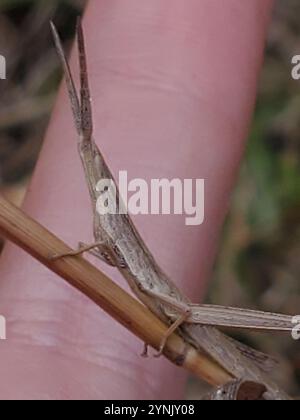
(259, 259)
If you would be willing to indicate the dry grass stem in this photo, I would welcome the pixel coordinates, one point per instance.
(26, 233)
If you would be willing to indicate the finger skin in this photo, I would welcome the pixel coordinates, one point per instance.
(173, 87)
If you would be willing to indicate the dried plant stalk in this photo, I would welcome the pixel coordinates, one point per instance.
(22, 230)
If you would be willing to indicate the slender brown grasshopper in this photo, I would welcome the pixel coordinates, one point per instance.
(119, 244)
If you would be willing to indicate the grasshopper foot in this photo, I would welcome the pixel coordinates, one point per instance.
(145, 353)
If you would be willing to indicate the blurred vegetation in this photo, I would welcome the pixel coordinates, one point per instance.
(27, 95)
(259, 260)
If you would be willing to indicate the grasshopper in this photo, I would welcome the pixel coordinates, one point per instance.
(118, 243)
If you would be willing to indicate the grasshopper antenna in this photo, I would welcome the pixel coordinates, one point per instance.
(85, 95)
(74, 99)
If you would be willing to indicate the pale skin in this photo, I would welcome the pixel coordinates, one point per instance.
(52, 195)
